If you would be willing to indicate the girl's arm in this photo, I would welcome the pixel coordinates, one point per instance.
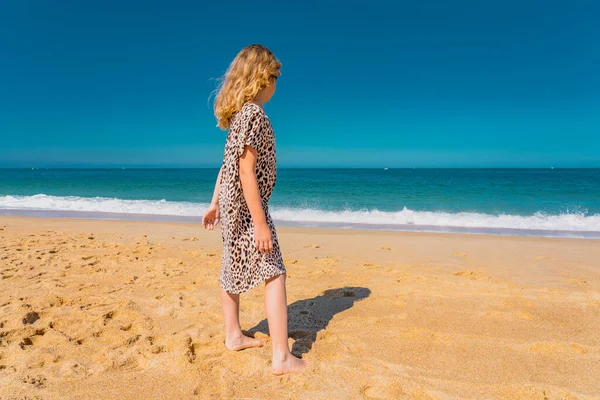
(262, 233)
(215, 198)
(211, 216)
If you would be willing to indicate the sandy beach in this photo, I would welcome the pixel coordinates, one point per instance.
(95, 309)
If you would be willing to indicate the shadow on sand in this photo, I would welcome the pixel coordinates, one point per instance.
(307, 317)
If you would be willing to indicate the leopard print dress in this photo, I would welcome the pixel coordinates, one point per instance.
(243, 267)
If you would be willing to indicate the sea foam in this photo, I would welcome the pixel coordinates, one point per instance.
(405, 219)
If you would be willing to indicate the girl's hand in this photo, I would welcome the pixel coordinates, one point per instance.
(262, 236)
(211, 217)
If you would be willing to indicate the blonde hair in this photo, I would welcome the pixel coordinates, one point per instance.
(254, 68)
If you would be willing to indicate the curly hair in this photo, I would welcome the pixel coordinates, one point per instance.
(253, 68)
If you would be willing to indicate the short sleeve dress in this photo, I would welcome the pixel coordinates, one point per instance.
(243, 267)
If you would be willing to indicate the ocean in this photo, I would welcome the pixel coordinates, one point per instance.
(528, 202)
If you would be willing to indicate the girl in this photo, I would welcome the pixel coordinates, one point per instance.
(244, 185)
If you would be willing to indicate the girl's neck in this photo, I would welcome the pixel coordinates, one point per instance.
(259, 103)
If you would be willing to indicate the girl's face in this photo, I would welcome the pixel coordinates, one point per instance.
(270, 90)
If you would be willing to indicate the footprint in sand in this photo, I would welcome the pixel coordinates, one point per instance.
(464, 273)
(38, 381)
(173, 272)
(373, 392)
(514, 308)
(381, 387)
(524, 316)
(312, 246)
(474, 275)
(30, 317)
(326, 262)
(580, 281)
(371, 266)
(186, 301)
(556, 347)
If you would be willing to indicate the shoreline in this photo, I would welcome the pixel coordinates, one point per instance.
(130, 309)
(408, 228)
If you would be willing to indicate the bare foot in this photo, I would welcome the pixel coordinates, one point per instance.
(289, 364)
(242, 342)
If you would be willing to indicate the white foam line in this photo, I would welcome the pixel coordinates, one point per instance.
(405, 219)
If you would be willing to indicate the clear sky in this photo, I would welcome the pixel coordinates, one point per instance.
(364, 83)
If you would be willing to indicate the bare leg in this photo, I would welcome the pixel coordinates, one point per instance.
(276, 309)
(234, 338)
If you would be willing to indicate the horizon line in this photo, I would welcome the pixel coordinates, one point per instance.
(286, 167)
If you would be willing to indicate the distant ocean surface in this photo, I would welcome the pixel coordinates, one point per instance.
(530, 202)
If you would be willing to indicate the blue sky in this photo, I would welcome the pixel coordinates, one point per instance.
(364, 84)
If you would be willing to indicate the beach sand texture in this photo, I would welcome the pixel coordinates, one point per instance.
(130, 310)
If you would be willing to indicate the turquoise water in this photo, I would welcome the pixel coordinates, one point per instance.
(547, 202)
